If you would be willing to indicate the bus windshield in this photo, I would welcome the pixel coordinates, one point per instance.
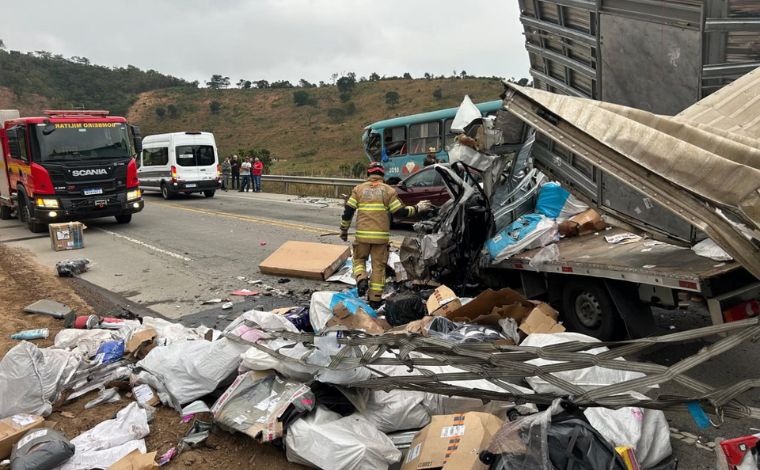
(82, 141)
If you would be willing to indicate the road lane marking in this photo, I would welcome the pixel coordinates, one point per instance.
(145, 245)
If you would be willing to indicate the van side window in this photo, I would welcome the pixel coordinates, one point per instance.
(156, 156)
(395, 141)
(195, 155)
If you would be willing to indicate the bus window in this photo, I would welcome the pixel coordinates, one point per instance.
(395, 141)
(450, 136)
(374, 146)
(423, 136)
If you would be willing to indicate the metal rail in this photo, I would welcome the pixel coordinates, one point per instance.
(337, 183)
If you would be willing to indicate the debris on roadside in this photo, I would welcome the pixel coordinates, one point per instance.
(72, 267)
(38, 333)
(48, 307)
(305, 260)
(66, 236)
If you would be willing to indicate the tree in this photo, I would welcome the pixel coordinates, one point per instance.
(463, 74)
(303, 98)
(391, 98)
(172, 111)
(80, 60)
(374, 77)
(408, 76)
(347, 82)
(262, 84)
(160, 112)
(2, 45)
(305, 84)
(438, 93)
(218, 82)
(281, 84)
(244, 84)
(428, 76)
(215, 107)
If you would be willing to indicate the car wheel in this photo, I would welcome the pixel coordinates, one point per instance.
(588, 309)
(165, 193)
(209, 193)
(124, 218)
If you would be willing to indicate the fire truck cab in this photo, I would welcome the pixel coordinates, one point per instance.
(68, 165)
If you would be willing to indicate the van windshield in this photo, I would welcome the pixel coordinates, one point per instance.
(82, 141)
(195, 155)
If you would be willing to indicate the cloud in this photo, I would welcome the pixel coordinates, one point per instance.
(277, 39)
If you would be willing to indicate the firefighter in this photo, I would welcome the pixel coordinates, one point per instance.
(376, 203)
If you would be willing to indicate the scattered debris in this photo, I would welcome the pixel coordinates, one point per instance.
(72, 267)
(226, 305)
(48, 307)
(622, 238)
(244, 292)
(39, 333)
(41, 449)
(211, 301)
(106, 395)
(305, 260)
(66, 236)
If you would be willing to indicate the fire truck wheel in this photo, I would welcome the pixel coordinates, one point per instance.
(123, 218)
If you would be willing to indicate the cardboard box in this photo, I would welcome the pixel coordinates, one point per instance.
(443, 302)
(13, 428)
(306, 260)
(145, 395)
(482, 309)
(542, 319)
(360, 320)
(588, 221)
(138, 339)
(452, 442)
(66, 236)
(136, 460)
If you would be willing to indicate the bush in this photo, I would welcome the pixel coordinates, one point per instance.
(160, 112)
(302, 98)
(173, 111)
(350, 109)
(215, 107)
(438, 93)
(391, 98)
(336, 115)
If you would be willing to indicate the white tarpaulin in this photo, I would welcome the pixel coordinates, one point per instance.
(466, 113)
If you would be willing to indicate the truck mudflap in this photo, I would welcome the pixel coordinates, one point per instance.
(695, 166)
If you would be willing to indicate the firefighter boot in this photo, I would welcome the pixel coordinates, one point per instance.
(362, 286)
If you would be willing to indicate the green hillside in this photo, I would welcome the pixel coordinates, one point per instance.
(312, 139)
(33, 81)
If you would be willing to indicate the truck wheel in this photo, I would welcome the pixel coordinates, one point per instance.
(209, 193)
(34, 227)
(124, 218)
(588, 309)
(165, 192)
(5, 212)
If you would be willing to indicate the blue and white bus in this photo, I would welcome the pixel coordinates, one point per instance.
(402, 143)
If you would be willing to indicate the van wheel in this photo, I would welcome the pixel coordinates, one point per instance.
(5, 212)
(165, 192)
(34, 227)
(124, 218)
(209, 193)
(587, 308)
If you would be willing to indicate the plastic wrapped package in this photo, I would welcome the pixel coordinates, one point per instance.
(110, 440)
(191, 369)
(168, 332)
(84, 342)
(252, 325)
(646, 431)
(556, 202)
(589, 378)
(551, 439)
(527, 232)
(41, 449)
(31, 378)
(323, 439)
(403, 308)
(256, 401)
(441, 327)
(398, 410)
(547, 254)
(71, 267)
(323, 302)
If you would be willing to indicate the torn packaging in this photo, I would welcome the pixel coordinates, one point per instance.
(358, 320)
(255, 402)
(41, 449)
(136, 460)
(13, 427)
(452, 442)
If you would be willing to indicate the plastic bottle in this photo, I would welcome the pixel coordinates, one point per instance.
(40, 333)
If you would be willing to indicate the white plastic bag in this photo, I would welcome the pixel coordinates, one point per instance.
(110, 440)
(325, 440)
(191, 369)
(547, 254)
(646, 431)
(168, 332)
(588, 378)
(84, 342)
(709, 249)
(32, 378)
(398, 410)
(466, 113)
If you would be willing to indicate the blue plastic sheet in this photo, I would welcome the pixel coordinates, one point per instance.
(351, 300)
(551, 200)
(513, 233)
(110, 351)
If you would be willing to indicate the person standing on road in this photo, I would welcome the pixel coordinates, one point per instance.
(245, 172)
(376, 203)
(226, 173)
(235, 167)
(256, 170)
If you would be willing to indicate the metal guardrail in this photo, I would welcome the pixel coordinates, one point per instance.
(337, 183)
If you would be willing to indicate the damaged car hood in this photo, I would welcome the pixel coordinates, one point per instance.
(702, 165)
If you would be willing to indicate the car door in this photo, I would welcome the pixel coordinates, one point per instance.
(426, 184)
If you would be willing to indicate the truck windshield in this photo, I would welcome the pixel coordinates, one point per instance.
(83, 141)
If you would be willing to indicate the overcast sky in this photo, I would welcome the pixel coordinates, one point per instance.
(276, 39)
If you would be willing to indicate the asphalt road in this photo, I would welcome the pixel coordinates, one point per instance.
(177, 253)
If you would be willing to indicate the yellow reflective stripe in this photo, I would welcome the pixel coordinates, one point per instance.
(372, 209)
(367, 233)
(345, 223)
(374, 285)
(358, 269)
(352, 202)
(395, 204)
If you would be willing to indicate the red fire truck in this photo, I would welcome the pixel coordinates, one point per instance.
(68, 165)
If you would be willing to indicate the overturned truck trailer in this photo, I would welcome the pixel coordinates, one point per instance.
(658, 56)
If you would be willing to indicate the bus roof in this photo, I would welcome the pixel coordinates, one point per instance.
(485, 107)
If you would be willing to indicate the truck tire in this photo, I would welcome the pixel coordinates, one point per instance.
(588, 309)
(5, 212)
(209, 193)
(165, 192)
(124, 218)
(34, 227)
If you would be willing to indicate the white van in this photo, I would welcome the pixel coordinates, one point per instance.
(180, 162)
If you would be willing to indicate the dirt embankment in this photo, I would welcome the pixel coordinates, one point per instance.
(23, 282)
